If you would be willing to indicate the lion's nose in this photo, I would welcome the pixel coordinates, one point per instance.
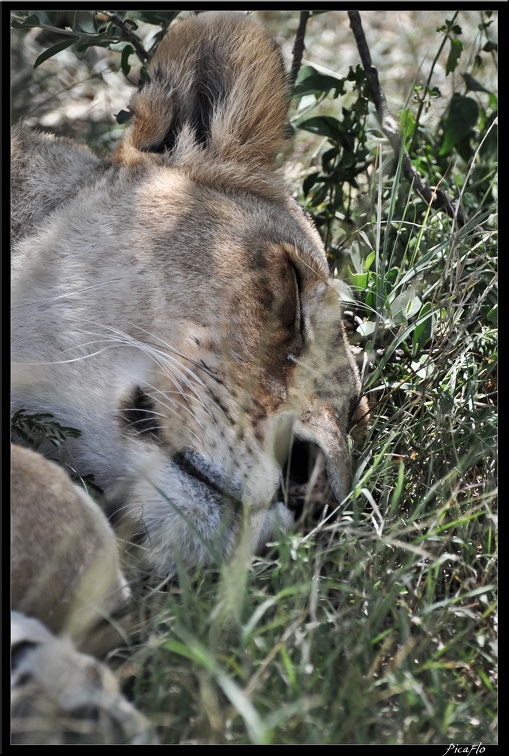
(304, 478)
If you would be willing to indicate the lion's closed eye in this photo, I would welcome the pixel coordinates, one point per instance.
(298, 323)
(138, 415)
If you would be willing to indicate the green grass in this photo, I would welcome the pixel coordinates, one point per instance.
(379, 625)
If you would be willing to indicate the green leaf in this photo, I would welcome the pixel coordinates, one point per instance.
(344, 291)
(490, 46)
(390, 278)
(366, 328)
(28, 23)
(493, 314)
(473, 85)
(493, 102)
(424, 328)
(371, 300)
(310, 81)
(412, 307)
(423, 368)
(326, 126)
(460, 119)
(357, 74)
(454, 55)
(309, 183)
(404, 306)
(358, 280)
(87, 24)
(355, 254)
(195, 654)
(48, 18)
(369, 260)
(123, 116)
(95, 41)
(124, 60)
(54, 50)
(156, 17)
(144, 76)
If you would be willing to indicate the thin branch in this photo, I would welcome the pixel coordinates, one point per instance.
(437, 198)
(130, 36)
(427, 86)
(298, 47)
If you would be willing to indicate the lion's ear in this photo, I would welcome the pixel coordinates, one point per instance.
(217, 82)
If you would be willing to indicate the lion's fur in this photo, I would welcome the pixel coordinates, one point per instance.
(211, 78)
(66, 570)
(60, 696)
(172, 302)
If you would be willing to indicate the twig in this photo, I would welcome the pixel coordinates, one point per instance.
(298, 47)
(143, 55)
(437, 198)
(427, 86)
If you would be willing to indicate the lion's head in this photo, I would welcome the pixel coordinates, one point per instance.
(174, 304)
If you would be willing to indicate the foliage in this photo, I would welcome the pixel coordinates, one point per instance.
(379, 624)
(347, 156)
(33, 429)
(392, 264)
(41, 428)
(84, 29)
(83, 33)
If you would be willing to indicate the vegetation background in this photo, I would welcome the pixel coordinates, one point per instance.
(377, 625)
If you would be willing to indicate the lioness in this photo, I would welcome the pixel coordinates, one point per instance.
(173, 302)
(65, 574)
